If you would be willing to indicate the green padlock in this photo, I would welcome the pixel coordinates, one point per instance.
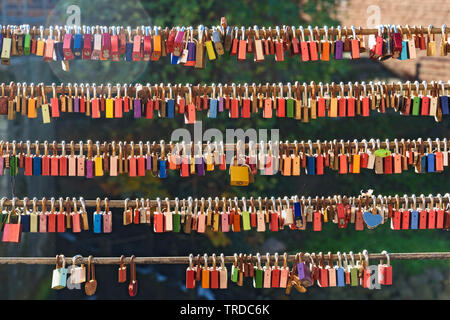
(26, 44)
(176, 222)
(245, 216)
(382, 153)
(234, 269)
(416, 106)
(290, 108)
(13, 169)
(258, 278)
(246, 220)
(354, 281)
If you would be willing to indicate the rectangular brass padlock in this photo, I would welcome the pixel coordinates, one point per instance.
(200, 60)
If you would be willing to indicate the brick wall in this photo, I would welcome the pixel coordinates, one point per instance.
(403, 12)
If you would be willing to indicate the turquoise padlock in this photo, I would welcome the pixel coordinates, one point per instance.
(98, 217)
(59, 274)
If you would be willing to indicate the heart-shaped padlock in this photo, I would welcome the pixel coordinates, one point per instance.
(91, 285)
(372, 220)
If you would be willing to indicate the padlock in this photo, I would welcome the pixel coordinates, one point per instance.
(91, 284)
(323, 273)
(258, 279)
(76, 217)
(190, 274)
(239, 174)
(340, 272)
(332, 276)
(59, 277)
(223, 274)
(122, 270)
(385, 271)
(12, 232)
(107, 218)
(284, 272)
(97, 218)
(133, 285)
(78, 272)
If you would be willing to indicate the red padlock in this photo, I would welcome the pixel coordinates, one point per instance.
(274, 221)
(317, 221)
(12, 232)
(51, 217)
(122, 270)
(385, 271)
(323, 273)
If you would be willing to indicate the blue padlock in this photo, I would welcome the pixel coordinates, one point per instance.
(340, 277)
(129, 51)
(25, 222)
(404, 53)
(77, 45)
(414, 220)
(59, 51)
(212, 113)
(311, 165)
(431, 158)
(37, 166)
(162, 169)
(173, 59)
(298, 211)
(98, 217)
(170, 108)
(444, 105)
(423, 162)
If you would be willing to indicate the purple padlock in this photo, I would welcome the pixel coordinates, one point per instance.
(338, 50)
(2, 166)
(221, 104)
(89, 169)
(191, 52)
(137, 108)
(301, 270)
(76, 105)
(200, 166)
(148, 162)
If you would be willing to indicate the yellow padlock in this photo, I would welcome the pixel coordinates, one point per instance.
(239, 175)
(40, 48)
(209, 163)
(109, 108)
(98, 164)
(210, 50)
(333, 108)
